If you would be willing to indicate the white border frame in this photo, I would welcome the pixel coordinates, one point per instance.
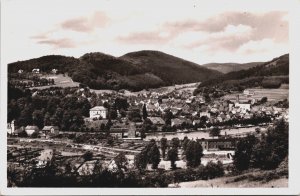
(294, 163)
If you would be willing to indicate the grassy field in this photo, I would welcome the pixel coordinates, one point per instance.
(240, 181)
(60, 81)
(271, 94)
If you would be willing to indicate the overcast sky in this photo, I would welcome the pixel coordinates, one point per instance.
(199, 31)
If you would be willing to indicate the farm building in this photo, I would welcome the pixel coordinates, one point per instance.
(36, 71)
(98, 112)
(31, 130)
(217, 144)
(50, 130)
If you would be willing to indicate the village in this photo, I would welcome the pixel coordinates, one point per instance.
(139, 117)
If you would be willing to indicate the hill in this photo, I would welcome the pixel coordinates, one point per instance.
(229, 67)
(133, 71)
(270, 74)
(171, 69)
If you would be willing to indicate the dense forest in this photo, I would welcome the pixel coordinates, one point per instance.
(268, 75)
(145, 69)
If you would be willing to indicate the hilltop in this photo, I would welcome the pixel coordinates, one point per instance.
(230, 67)
(172, 69)
(132, 71)
(270, 74)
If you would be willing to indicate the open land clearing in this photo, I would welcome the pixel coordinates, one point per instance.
(245, 180)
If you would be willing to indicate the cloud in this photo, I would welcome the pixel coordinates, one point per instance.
(58, 43)
(228, 31)
(86, 24)
(154, 37)
(256, 46)
(224, 32)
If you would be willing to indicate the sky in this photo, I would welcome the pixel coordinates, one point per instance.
(196, 30)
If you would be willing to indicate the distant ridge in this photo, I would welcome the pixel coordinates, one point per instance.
(270, 74)
(132, 71)
(229, 67)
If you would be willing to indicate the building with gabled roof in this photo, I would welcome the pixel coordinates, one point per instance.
(98, 112)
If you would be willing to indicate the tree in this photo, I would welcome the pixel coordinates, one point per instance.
(173, 156)
(87, 156)
(121, 103)
(113, 114)
(134, 115)
(175, 142)
(193, 154)
(47, 119)
(264, 100)
(185, 143)
(140, 160)
(145, 114)
(272, 148)
(121, 161)
(150, 154)
(154, 156)
(243, 153)
(163, 146)
(214, 132)
(37, 118)
(168, 117)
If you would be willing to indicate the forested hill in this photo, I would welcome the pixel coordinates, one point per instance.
(270, 74)
(171, 69)
(229, 67)
(133, 71)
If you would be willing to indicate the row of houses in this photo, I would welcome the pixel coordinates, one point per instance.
(37, 71)
(30, 130)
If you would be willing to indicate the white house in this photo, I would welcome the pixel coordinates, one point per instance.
(36, 71)
(243, 106)
(98, 111)
(207, 114)
(31, 130)
(54, 71)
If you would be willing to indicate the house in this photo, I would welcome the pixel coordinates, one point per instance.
(248, 92)
(175, 111)
(179, 121)
(98, 112)
(54, 71)
(217, 144)
(195, 122)
(207, 114)
(36, 71)
(50, 130)
(118, 132)
(30, 130)
(158, 121)
(13, 129)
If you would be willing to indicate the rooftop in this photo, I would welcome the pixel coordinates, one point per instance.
(96, 108)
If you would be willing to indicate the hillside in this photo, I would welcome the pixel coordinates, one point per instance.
(270, 74)
(133, 71)
(171, 69)
(229, 67)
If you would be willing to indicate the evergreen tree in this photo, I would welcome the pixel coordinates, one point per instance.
(163, 146)
(145, 114)
(193, 154)
(173, 156)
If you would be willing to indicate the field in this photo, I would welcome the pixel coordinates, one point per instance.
(60, 81)
(271, 94)
(239, 181)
